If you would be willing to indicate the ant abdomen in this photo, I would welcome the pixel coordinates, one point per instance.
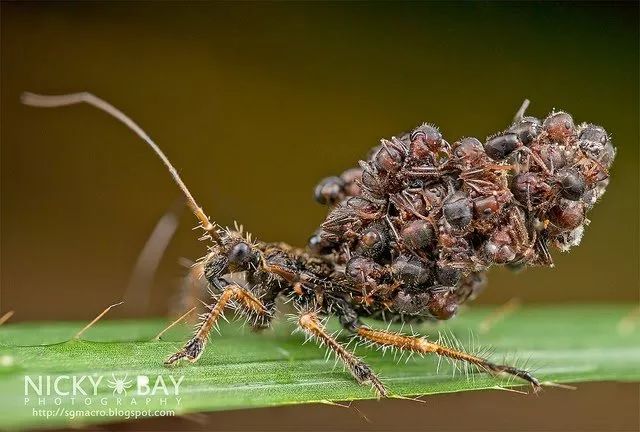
(501, 146)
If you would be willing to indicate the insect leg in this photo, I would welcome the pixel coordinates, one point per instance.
(195, 346)
(423, 346)
(192, 287)
(520, 113)
(309, 323)
(138, 290)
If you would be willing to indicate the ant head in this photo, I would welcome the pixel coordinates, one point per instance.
(364, 271)
(500, 248)
(238, 250)
(559, 127)
(529, 188)
(389, 157)
(329, 191)
(467, 152)
(527, 129)
(425, 140)
(595, 142)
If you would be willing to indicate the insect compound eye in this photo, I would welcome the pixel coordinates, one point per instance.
(499, 248)
(329, 190)
(418, 235)
(527, 129)
(362, 270)
(594, 141)
(241, 254)
(443, 305)
(410, 270)
(572, 184)
(448, 276)
(559, 126)
(501, 146)
(457, 210)
(389, 158)
(567, 215)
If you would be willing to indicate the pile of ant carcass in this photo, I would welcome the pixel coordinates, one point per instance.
(433, 216)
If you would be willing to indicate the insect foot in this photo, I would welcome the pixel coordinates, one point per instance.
(191, 351)
(309, 323)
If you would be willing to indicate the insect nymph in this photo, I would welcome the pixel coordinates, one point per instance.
(410, 232)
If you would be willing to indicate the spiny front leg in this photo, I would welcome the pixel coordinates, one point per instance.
(423, 346)
(309, 323)
(195, 346)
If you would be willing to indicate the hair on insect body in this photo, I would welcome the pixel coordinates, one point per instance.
(409, 236)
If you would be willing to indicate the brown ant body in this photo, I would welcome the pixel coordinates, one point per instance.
(409, 235)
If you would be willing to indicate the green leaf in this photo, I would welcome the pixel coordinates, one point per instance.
(242, 369)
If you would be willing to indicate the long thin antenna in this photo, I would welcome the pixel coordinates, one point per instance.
(520, 113)
(51, 101)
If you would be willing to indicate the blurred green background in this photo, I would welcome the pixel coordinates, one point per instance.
(255, 102)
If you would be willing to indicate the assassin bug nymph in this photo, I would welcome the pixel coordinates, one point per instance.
(410, 232)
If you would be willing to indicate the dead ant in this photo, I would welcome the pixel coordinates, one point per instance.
(410, 233)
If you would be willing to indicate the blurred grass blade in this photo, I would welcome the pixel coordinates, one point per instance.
(241, 369)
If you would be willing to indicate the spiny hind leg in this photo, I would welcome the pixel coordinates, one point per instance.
(231, 293)
(311, 325)
(421, 345)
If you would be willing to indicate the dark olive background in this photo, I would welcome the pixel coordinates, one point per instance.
(255, 102)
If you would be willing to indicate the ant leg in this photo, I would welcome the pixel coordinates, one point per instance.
(309, 323)
(262, 320)
(520, 113)
(195, 346)
(423, 346)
